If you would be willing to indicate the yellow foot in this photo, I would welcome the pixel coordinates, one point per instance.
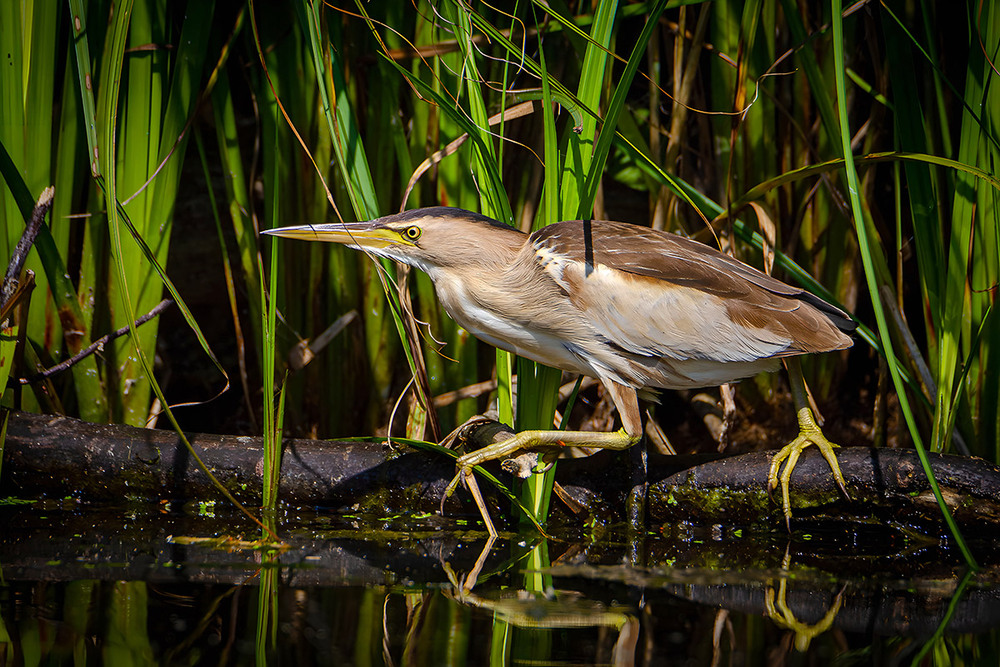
(453, 484)
(547, 444)
(809, 434)
(465, 463)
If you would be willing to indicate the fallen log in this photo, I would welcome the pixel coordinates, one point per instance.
(48, 456)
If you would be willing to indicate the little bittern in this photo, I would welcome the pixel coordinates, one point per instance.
(631, 306)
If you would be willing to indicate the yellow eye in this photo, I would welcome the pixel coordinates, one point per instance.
(412, 233)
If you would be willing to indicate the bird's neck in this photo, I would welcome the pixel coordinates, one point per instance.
(463, 290)
(490, 257)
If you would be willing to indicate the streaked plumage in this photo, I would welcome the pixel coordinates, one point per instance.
(644, 308)
(634, 307)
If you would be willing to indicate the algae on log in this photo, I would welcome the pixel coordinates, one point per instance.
(884, 485)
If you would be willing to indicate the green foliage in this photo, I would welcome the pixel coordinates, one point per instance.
(675, 114)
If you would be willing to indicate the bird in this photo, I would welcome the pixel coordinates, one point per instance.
(637, 308)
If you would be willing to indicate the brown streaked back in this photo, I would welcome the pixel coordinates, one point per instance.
(753, 299)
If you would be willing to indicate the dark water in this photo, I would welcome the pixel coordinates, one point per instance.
(141, 585)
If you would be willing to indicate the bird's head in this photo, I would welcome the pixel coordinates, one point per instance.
(425, 238)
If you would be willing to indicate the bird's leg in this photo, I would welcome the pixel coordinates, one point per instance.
(809, 434)
(481, 504)
(550, 442)
(544, 441)
(627, 402)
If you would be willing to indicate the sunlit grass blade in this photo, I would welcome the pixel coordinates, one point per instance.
(9, 331)
(871, 278)
(580, 147)
(118, 217)
(12, 110)
(273, 414)
(493, 181)
(494, 196)
(159, 101)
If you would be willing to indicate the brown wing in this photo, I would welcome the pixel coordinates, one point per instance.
(672, 296)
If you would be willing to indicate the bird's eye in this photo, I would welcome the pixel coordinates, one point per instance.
(412, 233)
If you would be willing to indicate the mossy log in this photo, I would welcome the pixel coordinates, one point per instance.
(883, 485)
(60, 457)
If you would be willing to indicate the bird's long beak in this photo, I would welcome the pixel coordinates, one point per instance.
(370, 235)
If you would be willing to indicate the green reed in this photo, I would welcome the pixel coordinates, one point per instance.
(688, 114)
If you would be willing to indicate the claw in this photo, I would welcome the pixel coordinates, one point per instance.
(546, 466)
(453, 484)
(809, 434)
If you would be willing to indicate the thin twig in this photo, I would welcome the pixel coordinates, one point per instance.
(96, 345)
(24, 244)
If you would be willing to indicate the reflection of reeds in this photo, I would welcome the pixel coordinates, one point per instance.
(266, 647)
(369, 109)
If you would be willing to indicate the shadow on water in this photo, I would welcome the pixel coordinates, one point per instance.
(86, 584)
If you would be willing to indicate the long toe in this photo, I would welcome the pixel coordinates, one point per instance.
(811, 432)
(827, 449)
(784, 461)
(790, 455)
(452, 485)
